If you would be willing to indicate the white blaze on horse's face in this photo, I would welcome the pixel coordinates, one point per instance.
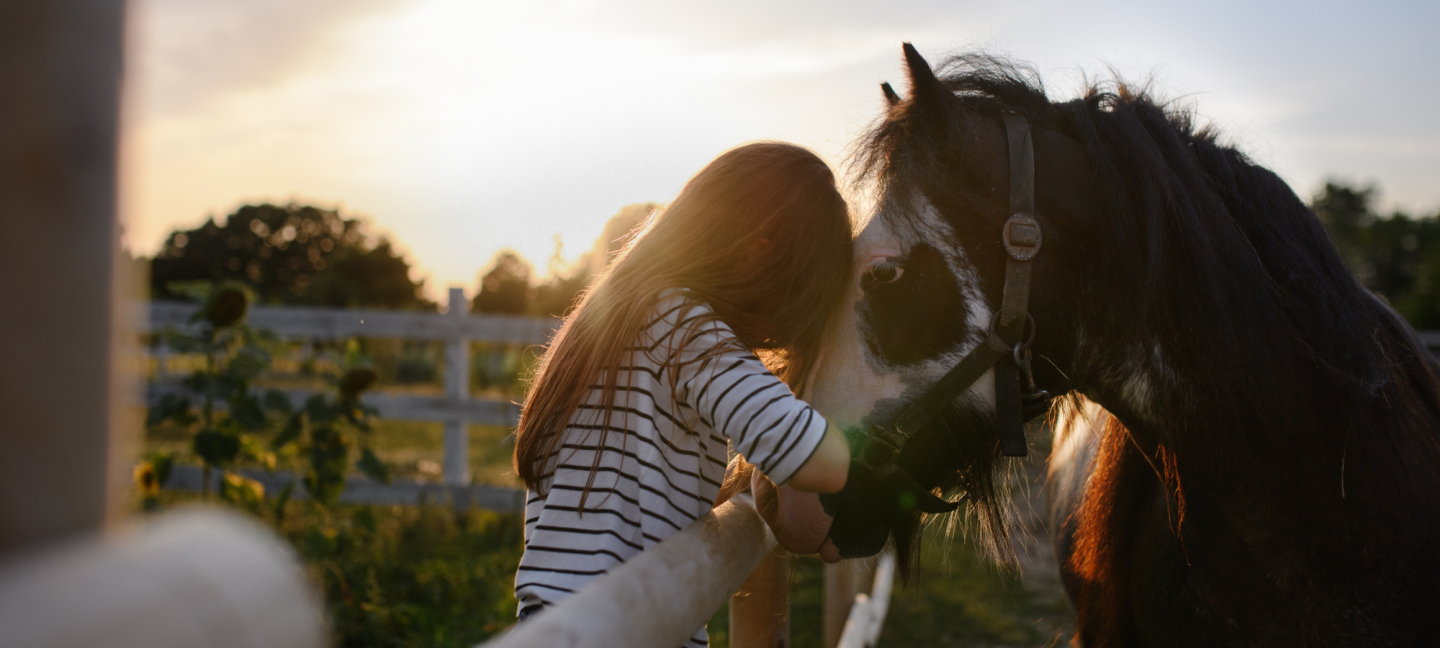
(854, 382)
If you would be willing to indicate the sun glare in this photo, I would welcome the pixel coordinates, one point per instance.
(463, 127)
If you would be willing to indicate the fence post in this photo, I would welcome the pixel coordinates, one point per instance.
(162, 358)
(457, 389)
(867, 614)
(843, 580)
(62, 469)
(760, 609)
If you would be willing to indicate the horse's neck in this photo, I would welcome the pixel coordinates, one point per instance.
(1245, 440)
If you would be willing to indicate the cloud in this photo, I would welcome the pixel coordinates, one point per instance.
(186, 52)
(466, 125)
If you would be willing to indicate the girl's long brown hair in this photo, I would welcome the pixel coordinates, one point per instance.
(761, 235)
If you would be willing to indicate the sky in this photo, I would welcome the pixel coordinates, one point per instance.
(461, 127)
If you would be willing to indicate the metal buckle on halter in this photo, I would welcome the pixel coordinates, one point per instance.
(1022, 236)
(1029, 325)
(1032, 397)
(878, 450)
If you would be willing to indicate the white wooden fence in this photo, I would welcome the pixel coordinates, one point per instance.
(712, 557)
(74, 570)
(457, 328)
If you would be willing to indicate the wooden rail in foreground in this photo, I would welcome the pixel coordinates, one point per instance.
(192, 577)
(663, 595)
(660, 597)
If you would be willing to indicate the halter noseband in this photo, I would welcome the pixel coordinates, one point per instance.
(1005, 347)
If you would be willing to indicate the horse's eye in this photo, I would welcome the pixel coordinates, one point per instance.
(884, 272)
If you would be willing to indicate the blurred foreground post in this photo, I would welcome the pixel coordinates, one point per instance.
(68, 576)
(456, 464)
(60, 472)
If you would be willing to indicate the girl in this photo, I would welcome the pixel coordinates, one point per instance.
(622, 439)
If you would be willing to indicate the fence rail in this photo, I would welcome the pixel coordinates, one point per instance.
(360, 490)
(661, 596)
(457, 328)
(404, 407)
(341, 323)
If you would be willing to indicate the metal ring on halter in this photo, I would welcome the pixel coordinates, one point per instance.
(1030, 324)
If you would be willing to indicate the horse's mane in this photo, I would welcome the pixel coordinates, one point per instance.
(1204, 245)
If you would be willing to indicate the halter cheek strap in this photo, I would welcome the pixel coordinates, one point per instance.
(1005, 347)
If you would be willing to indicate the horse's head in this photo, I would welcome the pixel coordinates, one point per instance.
(930, 270)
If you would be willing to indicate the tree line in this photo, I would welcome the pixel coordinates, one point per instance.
(304, 255)
(1396, 256)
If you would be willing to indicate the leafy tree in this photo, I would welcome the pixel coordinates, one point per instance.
(1346, 213)
(505, 288)
(1395, 256)
(290, 254)
(616, 233)
(559, 294)
(508, 287)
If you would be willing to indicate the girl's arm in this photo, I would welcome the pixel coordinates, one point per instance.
(734, 394)
(827, 468)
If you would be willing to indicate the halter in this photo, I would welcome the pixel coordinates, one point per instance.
(1006, 347)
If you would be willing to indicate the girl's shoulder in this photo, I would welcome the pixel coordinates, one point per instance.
(677, 306)
(680, 308)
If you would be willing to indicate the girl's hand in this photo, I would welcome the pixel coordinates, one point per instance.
(737, 479)
(797, 519)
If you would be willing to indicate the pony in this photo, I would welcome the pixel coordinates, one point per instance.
(1246, 439)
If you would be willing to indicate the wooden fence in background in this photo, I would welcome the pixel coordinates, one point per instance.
(849, 612)
(456, 408)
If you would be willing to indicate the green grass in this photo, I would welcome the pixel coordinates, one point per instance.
(412, 449)
(413, 576)
(957, 599)
(428, 576)
(404, 445)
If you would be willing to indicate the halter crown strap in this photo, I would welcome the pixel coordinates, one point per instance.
(1022, 239)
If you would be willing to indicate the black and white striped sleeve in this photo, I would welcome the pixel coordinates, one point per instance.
(742, 400)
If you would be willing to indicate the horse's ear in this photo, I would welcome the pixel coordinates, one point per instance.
(890, 96)
(923, 83)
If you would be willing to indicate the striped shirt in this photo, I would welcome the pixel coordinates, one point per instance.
(664, 456)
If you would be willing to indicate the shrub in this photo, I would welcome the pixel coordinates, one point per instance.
(410, 576)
